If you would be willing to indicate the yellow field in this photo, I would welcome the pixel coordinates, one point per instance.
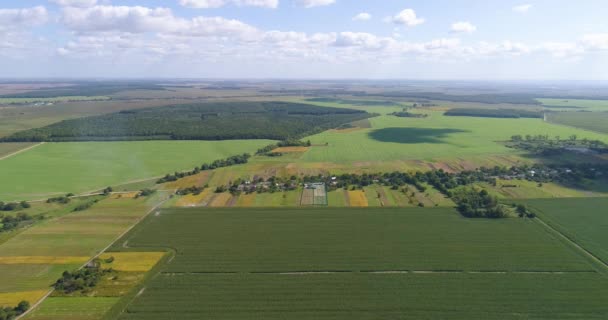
(291, 149)
(43, 260)
(186, 182)
(246, 200)
(220, 200)
(191, 200)
(357, 198)
(124, 195)
(132, 261)
(11, 299)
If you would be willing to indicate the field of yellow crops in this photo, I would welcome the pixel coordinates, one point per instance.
(11, 299)
(43, 260)
(291, 149)
(186, 182)
(191, 200)
(220, 200)
(357, 198)
(132, 261)
(124, 195)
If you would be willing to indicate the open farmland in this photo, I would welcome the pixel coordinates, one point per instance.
(8, 149)
(593, 121)
(434, 138)
(585, 220)
(360, 264)
(588, 105)
(58, 168)
(50, 99)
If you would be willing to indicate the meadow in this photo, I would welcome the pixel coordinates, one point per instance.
(582, 219)
(7, 149)
(593, 121)
(59, 168)
(285, 240)
(360, 264)
(436, 137)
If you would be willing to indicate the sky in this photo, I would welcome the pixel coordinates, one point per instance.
(312, 39)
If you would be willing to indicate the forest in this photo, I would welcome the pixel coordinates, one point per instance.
(494, 113)
(201, 121)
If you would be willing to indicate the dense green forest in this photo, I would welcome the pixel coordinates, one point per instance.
(494, 113)
(369, 103)
(202, 121)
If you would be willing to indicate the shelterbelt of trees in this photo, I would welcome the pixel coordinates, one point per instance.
(202, 121)
(494, 113)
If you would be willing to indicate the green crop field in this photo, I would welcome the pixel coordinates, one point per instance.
(50, 100)
(55, 168)
(373, 296)
(73, 308)
(594, 121)
(589, 105)
(360, 264)
(282, 240)
(583, 219)
(434, 138)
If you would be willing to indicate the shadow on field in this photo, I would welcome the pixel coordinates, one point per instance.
(412, 135)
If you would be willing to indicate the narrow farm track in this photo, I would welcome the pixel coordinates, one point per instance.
(39, 302)
(599, 263)
(21, 151)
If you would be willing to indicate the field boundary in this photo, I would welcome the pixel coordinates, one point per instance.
(320, 272)
(39, 302)
(571, 241)
(22, 150)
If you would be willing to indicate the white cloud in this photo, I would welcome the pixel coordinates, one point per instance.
(75, 3)
(16, 18)
(463, 27)
(363, 16)
(206, 4)
(523, 8)
(407, 17)
(315, 3)
(596, 41)
(144, 20)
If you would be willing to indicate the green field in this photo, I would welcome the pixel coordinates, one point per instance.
(594, 121)
(50, 100)
(589, 105)
(434, 138)
(56, 168)
(73, 308)
(360, 264)
(373, 296)
(584, 220)
(283, 240)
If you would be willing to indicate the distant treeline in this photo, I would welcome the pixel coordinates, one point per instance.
(494, 113)
(231, 161)
(480, 98)
(405, 114)
(201, 121)
(372, 103)
(85, 89)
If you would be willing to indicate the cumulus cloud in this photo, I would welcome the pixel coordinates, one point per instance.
(315, 3)
(206, 4)
(523, 8)
(141, 20)
(596, 41)
(16, 18)
(363, 16)
(463, 27)
(407, 17)
(75, 3)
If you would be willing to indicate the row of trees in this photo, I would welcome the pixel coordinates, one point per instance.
(10, 313)
(208, 121)
(267, 150)
(494, 113)
(10, 223)
(13, 206)
(478, 204)
(82, 280)
(230, 161)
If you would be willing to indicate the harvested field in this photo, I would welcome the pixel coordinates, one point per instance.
(43, 260)
(291, 149)
(11, 299)
(132, 261)
(220, 200)
(246, 200)
(124, 195)
(191, 200)
(357, 198)
(197, 180)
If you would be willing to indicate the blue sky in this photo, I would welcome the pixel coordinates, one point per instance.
(432, 39)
